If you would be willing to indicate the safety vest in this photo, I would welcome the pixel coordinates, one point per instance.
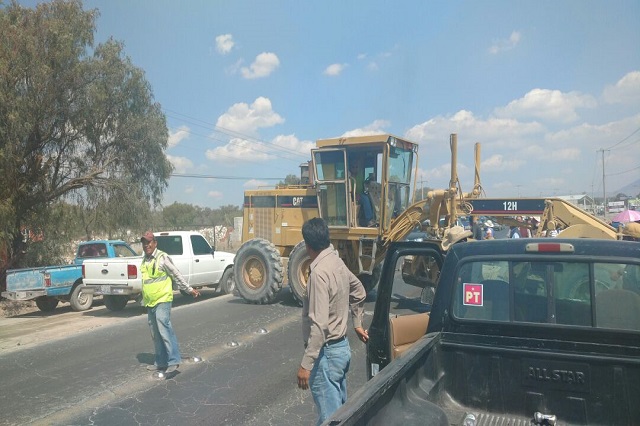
(156, 284)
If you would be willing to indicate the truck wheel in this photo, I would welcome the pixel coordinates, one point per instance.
(298, 271)
(115, 303)
(227, 282)
(371, 281)
(80, 301)
(257, 270)
(46, 303)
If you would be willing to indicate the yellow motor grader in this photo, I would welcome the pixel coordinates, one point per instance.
(333, 185)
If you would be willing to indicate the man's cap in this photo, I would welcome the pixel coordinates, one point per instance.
(453, 235)
(147, 236)
(488, 224)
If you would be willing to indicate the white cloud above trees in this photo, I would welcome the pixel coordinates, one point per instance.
(224, 43)
(264, 64)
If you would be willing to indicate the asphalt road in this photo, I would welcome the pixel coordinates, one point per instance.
(250, 353)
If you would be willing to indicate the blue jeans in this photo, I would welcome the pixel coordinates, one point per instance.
(328, 380)
(164, 339)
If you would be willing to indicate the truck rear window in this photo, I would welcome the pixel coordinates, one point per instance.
(586, 294)
(170, 244)
(92, 250)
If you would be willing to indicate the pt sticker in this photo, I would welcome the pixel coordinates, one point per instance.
(472, 294)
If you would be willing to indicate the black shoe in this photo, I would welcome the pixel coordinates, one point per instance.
(172, 368)
(155, 368)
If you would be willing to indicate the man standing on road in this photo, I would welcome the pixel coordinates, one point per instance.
(331, 290)
(158, 271)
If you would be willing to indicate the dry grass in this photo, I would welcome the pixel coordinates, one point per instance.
(10, 308)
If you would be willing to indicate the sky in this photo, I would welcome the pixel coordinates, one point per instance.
(550, 89)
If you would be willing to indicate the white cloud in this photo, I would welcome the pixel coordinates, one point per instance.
(282, 146)
(264, 64)
(550, 105)
(292, 143)
(497, 162)
(239, 149)
(375, 128)
(254, 183)
(189, 189)
(180, 164)
(464, 123)
(626, 90)
(504, 45)
(215, 194)
(177, 136)
(247, 119)
(224, 43)
(334, 70)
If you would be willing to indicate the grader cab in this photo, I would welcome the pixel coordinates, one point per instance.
(359, 185)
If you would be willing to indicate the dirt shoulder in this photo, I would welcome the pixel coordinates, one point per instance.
(23, 325)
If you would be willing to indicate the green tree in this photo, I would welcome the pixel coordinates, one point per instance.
(290, 180)
(78, 121)
(179, 215)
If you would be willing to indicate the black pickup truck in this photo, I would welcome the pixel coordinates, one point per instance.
(518, 332)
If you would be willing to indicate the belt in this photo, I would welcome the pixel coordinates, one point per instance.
(334, 341)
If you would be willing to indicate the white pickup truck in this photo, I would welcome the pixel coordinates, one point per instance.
(119, 279)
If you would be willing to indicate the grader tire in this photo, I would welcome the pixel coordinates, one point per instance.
(258, 271)
(371, 281)
(298, 271)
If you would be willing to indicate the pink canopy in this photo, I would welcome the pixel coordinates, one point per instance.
(626, 216)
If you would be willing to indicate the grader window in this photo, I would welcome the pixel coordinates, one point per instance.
(331, 175)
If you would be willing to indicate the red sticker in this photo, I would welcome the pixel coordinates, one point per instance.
(472, 294)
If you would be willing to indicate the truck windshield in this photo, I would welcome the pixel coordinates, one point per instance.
(586, 294)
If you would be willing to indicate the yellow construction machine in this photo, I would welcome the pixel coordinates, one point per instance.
(381, 169)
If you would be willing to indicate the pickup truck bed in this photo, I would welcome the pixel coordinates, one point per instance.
(551, 337)
(501, 380)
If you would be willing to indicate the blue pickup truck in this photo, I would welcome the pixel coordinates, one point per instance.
(51, 284)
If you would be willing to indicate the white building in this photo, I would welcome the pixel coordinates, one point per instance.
(583, 201)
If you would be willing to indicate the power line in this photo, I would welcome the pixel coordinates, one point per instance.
(196, 176)
(621, 173)
(619, 142)
(234, 134)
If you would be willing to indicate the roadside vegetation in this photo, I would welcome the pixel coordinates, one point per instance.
(82, 139)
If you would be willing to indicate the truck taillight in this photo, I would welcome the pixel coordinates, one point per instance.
(549, 248)
(47, 280)
(132, 272)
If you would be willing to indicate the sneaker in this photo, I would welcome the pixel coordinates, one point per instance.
(172, 368)
(155, 368)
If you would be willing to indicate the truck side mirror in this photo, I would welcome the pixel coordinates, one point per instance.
(427, 295)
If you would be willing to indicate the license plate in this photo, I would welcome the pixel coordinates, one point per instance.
(104, 289)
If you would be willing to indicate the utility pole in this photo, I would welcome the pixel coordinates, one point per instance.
(604, 189)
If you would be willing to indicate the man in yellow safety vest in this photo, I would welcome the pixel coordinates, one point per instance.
(158, 274)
